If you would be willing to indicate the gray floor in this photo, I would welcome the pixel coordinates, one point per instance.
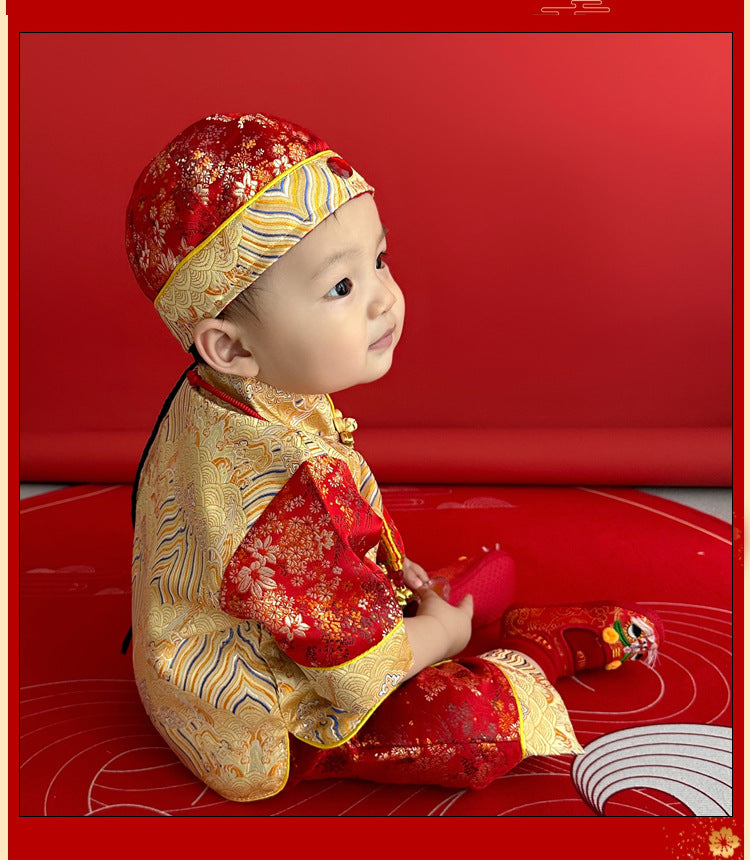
(28, 490)
(716, 501)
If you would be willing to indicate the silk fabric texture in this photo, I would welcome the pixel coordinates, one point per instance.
(220, 203)
(265, 579)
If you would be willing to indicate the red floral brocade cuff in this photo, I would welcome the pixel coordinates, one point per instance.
(302, 570)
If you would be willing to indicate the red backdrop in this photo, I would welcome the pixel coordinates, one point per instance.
(559, 208)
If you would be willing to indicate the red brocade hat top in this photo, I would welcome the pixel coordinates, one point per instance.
(201, 178)
(220, 203)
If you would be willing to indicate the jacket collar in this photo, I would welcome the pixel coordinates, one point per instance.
(312, 414)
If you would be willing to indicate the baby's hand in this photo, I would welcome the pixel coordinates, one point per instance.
(415, 576)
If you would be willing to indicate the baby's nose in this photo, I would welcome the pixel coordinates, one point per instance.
(383, 300)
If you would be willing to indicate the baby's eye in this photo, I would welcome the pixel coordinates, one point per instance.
(382, 260)
(343, 288)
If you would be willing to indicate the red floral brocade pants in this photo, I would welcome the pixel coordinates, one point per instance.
(455, 724)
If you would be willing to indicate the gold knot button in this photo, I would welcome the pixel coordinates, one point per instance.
(345, 428)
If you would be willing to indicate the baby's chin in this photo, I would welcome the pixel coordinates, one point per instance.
(381, 371)
(370, 371)
(373, 376)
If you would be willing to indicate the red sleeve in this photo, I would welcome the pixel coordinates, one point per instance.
(302, 569)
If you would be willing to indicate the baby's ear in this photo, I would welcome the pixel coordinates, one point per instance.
(219, 344)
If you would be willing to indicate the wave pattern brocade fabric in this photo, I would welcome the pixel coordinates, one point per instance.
(218, 684)
(265, 571)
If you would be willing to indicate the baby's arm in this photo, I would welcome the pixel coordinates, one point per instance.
(438, 630)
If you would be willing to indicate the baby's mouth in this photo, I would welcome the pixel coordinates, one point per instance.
(385, 340)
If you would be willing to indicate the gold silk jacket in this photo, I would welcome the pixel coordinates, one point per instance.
(265, 582)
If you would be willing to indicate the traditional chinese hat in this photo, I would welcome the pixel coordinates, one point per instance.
(220, 203)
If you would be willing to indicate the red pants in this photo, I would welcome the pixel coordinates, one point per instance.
(455, 724)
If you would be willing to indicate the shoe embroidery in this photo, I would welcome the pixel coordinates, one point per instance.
(636, 642)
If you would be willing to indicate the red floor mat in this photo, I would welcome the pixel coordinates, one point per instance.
(658, 740)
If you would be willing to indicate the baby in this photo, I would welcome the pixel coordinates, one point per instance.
(280, 632)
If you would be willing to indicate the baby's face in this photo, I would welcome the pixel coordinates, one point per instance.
(329, 312)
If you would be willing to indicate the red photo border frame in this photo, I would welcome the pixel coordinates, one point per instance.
(537, 837)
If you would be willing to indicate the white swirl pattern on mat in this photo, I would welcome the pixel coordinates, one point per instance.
(87, 748)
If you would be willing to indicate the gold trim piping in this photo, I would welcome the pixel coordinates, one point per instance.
(521, 729)
(236, 214)
(395, 553)
(385, 638)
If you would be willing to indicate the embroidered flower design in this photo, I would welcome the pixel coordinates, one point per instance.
(434, 688)
(202, 192)
(723, 842)
(245, 187)
(303, 546)
(254, 579)
(293, 502)
(293, 626)
(257, 576)
(166, 262)
(324, 539)
(273, 611)
(264, 550)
